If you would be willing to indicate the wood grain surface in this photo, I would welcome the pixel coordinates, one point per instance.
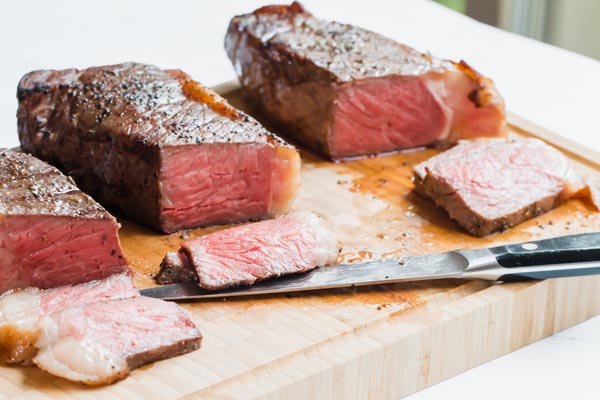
(372, 342)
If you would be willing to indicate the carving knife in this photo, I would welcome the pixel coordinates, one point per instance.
(565, 256)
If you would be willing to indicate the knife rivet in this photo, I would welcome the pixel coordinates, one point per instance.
(529, 246)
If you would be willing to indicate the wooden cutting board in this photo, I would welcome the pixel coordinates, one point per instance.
(373, 342)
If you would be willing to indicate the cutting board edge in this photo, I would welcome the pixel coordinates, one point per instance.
(376, 354)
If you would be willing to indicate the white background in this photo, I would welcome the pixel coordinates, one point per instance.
(552, 87)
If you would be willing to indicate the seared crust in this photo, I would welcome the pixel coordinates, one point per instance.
(345, 51)
(107, 126)
(176, 267)
(29, 186)
(17, 345)
(292, 66)
(135, 102)
(148, 357)
(444, 196)
(490, 185)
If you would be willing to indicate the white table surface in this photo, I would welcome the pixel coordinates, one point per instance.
(552, 87)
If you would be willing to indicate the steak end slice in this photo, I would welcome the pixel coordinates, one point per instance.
(162, 149)
(346, 91)
(490, 185)
(242, 255)
(21, 309)
(101, 343)
(176, 267)
(51, 234)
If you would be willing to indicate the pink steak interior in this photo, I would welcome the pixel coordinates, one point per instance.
(45, 251)
(217, 183)
(380, 115)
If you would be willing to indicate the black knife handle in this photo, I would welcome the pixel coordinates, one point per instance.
(547, 274)
(560, 250)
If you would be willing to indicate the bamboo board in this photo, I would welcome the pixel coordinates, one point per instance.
(372, 342)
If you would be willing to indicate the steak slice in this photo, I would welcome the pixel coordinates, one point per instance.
(347, 91)
(51, 234)
(490, 185)
(21, 309)
(102, 342)
(162, 149)
(294, 243)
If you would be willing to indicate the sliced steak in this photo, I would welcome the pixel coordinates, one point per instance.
(20, 311)
(490, 185)
(51, 234)
(102, 342)
(347, 91)
(161, 148)
(297, 242)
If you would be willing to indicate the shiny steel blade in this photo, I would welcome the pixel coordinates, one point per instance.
(434, 266)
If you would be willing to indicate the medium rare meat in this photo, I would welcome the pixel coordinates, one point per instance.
(21, 309)
(102, 342)
(490, 185)
(51, 233)
(297, 242)
(164, 150)
(347, 91)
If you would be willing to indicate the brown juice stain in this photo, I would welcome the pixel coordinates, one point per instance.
(145, 367)
(375, 213)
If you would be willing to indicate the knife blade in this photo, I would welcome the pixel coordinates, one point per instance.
(565, 256)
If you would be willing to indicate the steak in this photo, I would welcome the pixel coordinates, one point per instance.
(490, 185)
(346, 91)
(100, 343)
(21, 309)
(162, 149)
(242, 255)
(51, 234)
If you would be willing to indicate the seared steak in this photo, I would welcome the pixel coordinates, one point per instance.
(297, 242)
(490, 185)
(21, 309)
(102, 342)
(161, 148)
(347, 91)
(51, 233)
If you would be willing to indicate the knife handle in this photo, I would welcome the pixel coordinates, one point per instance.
(546, 272)
(560, 250)
(565, 256)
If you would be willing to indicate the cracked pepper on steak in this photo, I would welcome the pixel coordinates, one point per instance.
(51, 234)
(346, 91)
(154, 144)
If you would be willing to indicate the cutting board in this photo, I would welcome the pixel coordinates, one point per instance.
(371, 342)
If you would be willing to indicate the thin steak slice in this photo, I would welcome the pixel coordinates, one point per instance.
(297, 242)
(490, 185)
(102, 342)
(51, 234)
(347, 91)
(164, 150)
(21, 309)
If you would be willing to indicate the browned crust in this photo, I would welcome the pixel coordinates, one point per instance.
(195, 91)
(444, 196)
(30, 186)
(150, 356)
(292, 66)
(108, 126)
(487, 94)
(282, 9)
(297, 98)
(176, 267)
(200, 93)
(17, 345)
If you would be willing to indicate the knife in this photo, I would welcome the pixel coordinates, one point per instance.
(565, 256)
